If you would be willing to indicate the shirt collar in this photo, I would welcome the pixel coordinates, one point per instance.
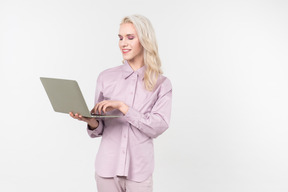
(128, 71)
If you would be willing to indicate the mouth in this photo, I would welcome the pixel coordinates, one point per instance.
(125, 50)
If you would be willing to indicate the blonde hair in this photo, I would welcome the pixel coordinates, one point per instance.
(147, 39)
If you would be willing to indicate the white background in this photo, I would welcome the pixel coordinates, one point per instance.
(228, 64)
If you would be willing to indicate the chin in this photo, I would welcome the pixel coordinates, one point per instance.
(126, 58)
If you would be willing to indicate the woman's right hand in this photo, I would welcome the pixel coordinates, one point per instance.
(92, 122)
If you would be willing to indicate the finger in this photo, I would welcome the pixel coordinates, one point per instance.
(100, 107)
(109, 109)
(77, 116)
(80, 117)
(72, 115)
(105, 107)
(96, 108)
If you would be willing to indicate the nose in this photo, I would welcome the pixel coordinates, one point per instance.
(123, 43)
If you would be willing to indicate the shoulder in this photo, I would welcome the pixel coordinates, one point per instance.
(111, 73)
(164, 81)
(109, 76)
(164, 85)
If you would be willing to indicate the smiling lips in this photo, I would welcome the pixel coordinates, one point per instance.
(125, 50)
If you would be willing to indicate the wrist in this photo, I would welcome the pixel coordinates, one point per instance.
(93, 125)
(123, 108)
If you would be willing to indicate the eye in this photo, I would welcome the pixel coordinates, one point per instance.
(131, 37)
(120, 38)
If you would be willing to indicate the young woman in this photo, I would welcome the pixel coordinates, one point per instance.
(141, 95)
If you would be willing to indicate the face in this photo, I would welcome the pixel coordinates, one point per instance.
(129, 44)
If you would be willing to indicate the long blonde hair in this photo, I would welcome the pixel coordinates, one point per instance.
(147, 39)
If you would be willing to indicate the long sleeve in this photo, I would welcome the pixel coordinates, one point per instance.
(154, 123)
(126, 147)
(98, 97)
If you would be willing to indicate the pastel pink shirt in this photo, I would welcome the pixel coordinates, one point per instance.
(126, 147)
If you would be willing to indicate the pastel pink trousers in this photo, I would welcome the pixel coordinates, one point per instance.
(121, 184)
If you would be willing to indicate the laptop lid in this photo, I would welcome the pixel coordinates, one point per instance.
(65, 96)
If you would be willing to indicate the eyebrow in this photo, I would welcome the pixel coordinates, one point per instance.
(126, 35)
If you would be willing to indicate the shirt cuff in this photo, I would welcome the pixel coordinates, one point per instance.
(133, 116)
(96, 132)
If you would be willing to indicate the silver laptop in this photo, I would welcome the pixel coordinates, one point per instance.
(66, 96)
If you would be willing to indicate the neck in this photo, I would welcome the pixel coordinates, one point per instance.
(135, 65)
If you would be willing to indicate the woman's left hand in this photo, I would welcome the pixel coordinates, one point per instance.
(110, 105)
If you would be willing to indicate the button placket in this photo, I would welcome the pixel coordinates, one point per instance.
(133, 88)
(123, 167)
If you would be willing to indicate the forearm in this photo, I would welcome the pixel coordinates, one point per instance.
(151, 124)
(93, 124)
